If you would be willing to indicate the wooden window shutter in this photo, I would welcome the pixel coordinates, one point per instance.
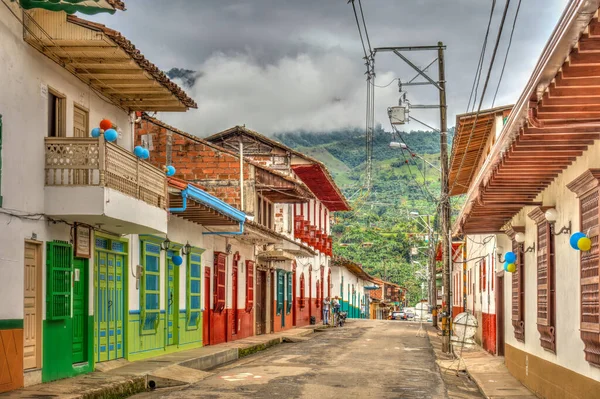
(545, 280)
(518, 286)
(302, 289)
(586, 187)
(280, 291)
(249, 285)
(289, 290)
(219, 293)
(318, 293)
(484, 278)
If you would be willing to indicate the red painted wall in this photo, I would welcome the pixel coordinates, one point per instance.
(288, 319)
(488, 336)
(245, 324)
(456, 310)
(218, 326)
(303, 317)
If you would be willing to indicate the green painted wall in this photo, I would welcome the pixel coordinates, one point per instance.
(11, 324)
(148, 344)
(189, 337)
(57, 350)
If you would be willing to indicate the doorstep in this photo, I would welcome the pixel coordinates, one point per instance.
(124, 378)
(487, 371)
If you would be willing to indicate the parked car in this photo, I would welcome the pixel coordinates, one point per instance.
(409, 314)
(397, 316)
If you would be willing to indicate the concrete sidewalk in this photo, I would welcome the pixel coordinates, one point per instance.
(487, 371)
(122, 378)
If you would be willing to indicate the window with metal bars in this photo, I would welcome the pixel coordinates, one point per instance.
(59, 266)
(193, 292)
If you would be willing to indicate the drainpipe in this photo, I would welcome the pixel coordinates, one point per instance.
(242, 175)
(226, 233)
(184, 195)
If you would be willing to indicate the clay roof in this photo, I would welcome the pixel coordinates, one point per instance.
(221, 149)
(137, 57)
(326, 189)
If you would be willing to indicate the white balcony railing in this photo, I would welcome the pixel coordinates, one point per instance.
(73, 161)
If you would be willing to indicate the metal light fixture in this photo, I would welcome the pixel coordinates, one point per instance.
(499, 253)
(551, 216)
(187, 249)
(166, 244)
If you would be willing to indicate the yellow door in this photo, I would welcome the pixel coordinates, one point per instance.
(80, 122)
(32, 322)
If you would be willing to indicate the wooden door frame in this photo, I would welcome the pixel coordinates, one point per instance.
(499, 294)
(207, 309)
(39, 300)
(175, 315)
(235, 291)
(86, 306)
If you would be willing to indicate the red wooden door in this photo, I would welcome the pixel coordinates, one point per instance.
(206, 313)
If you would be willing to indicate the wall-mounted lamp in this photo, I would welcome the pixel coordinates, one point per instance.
(166, 244)
(499, 253)
(520, 238)
(551, 216)
(187, 249)
(531, 248)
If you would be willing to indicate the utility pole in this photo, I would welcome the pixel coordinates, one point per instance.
(445, 202)
(432, 287)
(445, 199)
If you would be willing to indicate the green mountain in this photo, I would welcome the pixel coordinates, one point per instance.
(379, 232)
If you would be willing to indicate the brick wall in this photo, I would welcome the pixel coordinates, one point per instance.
(194, 159)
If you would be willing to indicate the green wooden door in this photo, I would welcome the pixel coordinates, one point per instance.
(80, 310)
(172, 305)
(109, 303)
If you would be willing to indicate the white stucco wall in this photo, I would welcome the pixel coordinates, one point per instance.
(569, 347)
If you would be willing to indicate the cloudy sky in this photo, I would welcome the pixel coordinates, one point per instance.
(280, 65)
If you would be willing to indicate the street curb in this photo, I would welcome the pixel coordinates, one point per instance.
(123, 389)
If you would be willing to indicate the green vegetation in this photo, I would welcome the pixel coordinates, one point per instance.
(378, 232)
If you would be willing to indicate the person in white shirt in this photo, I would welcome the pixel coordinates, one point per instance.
(326, 304)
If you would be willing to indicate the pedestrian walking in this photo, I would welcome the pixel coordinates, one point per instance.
(336, 311)
(326, 304)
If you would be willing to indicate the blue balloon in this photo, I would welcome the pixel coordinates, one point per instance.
(138, 151)
(111, 135)
(177, 260)
(575, 237)
(170, 170)
(505, 266)
(510, 257)
(146, 154)
(96, 132)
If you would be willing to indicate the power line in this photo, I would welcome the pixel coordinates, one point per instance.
(359, 30)
(507, 51)
(365, 27)
(476, 79)
(383, 87)
(487, 80)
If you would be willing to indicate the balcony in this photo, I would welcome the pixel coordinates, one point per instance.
(92, 181)
(312, 236)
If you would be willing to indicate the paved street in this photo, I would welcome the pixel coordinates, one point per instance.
(365, 359)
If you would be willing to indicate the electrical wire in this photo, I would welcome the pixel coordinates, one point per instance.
(507, 51)
(383, 87)
(487, 80)
(359, 30)
(473, 95)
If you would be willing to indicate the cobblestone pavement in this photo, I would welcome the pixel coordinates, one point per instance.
(364, 359)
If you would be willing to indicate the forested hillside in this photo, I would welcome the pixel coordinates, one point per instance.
(378, 232)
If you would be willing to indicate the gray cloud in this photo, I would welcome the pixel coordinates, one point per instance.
(284, 64)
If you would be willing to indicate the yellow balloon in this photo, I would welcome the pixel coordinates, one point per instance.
(584, 244)
(511, 268)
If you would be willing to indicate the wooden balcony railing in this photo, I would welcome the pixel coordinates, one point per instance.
(73, 161)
